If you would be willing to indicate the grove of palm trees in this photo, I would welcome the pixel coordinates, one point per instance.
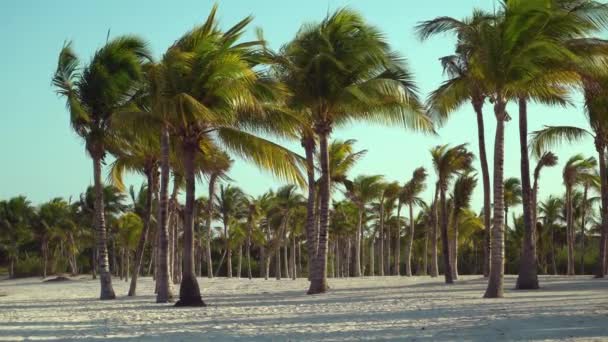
(167, 241)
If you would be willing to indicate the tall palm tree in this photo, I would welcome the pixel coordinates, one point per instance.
(409, 196)
(463, 85)
(550, 211)
(589, 181)
(512, 196)
(361, 191)
(547, 159)
(577, 168)
(461, 198)
(202, 110)
(448, 162)
(94, 94)
(346, 71)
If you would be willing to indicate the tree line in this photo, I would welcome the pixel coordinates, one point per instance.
(212, 96)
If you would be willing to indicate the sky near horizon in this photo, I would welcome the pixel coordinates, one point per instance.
(42, 158)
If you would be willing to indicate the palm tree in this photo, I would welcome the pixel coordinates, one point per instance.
(202, 110)
(463, 85)
(448, 162)
(512, 196)
(576, 169)
(230, 204)
(550, 210)
(547, 159)
(15, 217)
(461, 199)
(589, 181)
(409, 196)
(94, 95)
(361, 191)
(346, 71)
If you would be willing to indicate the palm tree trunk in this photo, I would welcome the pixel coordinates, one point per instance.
(454, 249)
(189, 292)
(239, 261)
(248, 243)
(318, 280)
(569, 228)
(212, 180)
(105, 277)
(277, 263)
(601, 149)
(372, 271)
(311, 244)
(381, 237)
(228, 248)
(358, 241)
(527, 278)
(388, 235)
(425, 257)
(434, 219)
(164, 288)
(553, 262)
(445, 247)
(141, 245)
(410, 244)
(285, 244)
(583, 214)
(337, 257)
(293, 258)
(398, 242)
(497, 266)
(483, 160)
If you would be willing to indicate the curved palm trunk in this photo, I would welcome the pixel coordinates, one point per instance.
(583, 214)
(318, 279)
(601, 149)
(527, 278)
(105, 277)
(434, 257)
(497, 266)
(569, 228)
(248, 243)
(381, 237)
(358, 242)
(398, 242)
(410, 244)
(487, 207)
(311, 245)
(189, 292)
(445, 247)
(212, 180)
(141, 245)
(228, 252)
(534, 213)
(164, 289)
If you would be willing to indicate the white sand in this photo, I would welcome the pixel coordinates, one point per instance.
(389, 308)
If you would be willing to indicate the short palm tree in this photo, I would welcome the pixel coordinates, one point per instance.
(362, 191)
(410, 196)
(550, 211)
(94, 94)
(576, 170)
(461, 199)
(230, 204)
(345, 71)
(448, 162)
(512, 196)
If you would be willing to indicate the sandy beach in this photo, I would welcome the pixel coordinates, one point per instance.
(387, 308)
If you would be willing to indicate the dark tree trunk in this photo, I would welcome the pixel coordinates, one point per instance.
(569, 229)
(311, 244)
(527, 278)
(358, 241)
(141, 245)
(164, 288)
(601, 149)
(105, 277)
(583, 214)
(454, 248)
(445, 246)
(189, 292)
(434, 219)
(212, 180)
(410, 244)
(248, 243)
(487, 207)
(381, 237)
(497, 266)
(318, 279)
(398, 242)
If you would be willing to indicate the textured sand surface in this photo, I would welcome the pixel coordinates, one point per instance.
(388, 308)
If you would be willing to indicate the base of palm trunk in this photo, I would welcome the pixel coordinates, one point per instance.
(107, 291)
(527, 281)
(189, 293)
(318, 286)
(493, 292)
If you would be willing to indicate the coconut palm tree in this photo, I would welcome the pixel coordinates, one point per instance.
(463, 85)
(448, 162)
(577, 168)
(410, 196)
(346, 71)
(461, 198)
(361, 191)
(15, 217)
(94, 94)
(512, 196)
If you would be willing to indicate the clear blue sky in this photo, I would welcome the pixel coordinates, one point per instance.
(41, 157)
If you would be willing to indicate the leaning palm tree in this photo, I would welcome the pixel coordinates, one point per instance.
(410, 196)
(344, 71)
(94, 94)
(547, 159)
(461, 199)
(577, 168)
(448, 162)
(361, 191)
